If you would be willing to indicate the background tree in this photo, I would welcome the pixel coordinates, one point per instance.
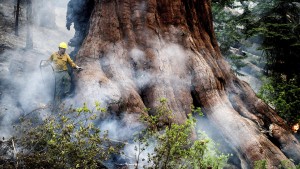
(273, 25)
(277, 23)
(229, 34)
(133, 39)
(279, 27)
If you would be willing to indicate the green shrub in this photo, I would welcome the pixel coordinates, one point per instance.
(260, 164)
(67, 139)
(173, 146)
(284, 96)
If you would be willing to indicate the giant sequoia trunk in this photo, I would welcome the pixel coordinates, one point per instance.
(138, 51)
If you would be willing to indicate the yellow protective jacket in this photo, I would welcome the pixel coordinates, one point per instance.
(60, 61)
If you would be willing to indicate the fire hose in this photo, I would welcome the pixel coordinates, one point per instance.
(47, 105)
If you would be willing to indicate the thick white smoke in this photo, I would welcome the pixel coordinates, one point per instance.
(26, 87)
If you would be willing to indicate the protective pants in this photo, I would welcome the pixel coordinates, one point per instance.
(62, 85)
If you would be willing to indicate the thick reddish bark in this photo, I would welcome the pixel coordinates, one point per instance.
(132, 39)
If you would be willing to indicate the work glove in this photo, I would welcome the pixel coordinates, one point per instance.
(79, 68)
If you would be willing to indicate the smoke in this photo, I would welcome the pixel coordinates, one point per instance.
(138, 152)
(208, 129)
(171, 64)
(24, 86)
(25, 90)
(138, 56)
(130, 70)
(253, 69)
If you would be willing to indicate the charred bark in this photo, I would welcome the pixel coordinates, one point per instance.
(129, 41)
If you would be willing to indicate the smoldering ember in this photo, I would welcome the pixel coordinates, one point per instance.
(149, 84)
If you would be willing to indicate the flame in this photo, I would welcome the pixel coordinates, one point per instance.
(295, 127)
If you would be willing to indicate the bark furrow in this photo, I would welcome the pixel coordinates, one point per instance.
(138, 51)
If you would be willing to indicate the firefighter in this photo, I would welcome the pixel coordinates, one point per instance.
(60, 59)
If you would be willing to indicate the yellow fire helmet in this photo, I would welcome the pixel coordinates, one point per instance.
(63, 45)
